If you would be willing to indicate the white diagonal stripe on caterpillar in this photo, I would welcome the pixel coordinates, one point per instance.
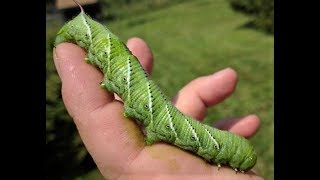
(150, 100)
(170, 122)
(109, 52)
(88, 28)
(128, 78)
(214, 141)
(194, 134)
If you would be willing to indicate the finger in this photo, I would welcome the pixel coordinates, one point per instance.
(245, 126)
(80, 81)
(203, 92)
(141, 50)
(112, 140)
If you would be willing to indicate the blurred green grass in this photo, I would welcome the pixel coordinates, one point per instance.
(198, 38)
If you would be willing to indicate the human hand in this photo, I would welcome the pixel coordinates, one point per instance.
(117, 144)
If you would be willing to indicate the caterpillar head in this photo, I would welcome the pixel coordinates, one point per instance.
(76, 31)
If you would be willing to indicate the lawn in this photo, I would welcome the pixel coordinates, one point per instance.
(198, 38)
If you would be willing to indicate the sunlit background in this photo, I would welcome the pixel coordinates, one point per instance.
(189, 38)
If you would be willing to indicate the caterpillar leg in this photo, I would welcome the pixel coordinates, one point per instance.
(150, 140)
(219, 166)
(128, 111)
(151, 136)
(236, 170)
(131, 112)
(107, 84)
(186, 146)
(90, 59)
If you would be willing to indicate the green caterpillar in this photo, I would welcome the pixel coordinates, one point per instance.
(144, 101)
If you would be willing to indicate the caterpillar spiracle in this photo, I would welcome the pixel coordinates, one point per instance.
(144, 101)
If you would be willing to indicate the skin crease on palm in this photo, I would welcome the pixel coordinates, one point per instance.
(116, 143)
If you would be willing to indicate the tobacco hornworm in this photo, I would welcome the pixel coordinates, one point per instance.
(144, 101)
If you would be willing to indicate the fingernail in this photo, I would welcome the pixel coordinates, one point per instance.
(250, 116)
(228, 74)
(253, 116)
(223, 71)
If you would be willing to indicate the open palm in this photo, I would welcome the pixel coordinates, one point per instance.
(117, 144)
